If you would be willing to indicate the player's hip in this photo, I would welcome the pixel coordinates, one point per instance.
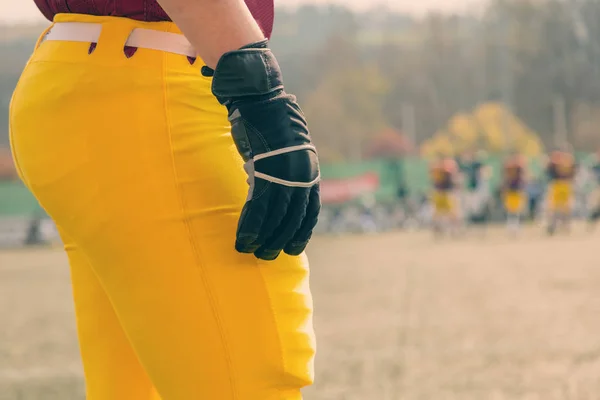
(132, 135)
(76, 115)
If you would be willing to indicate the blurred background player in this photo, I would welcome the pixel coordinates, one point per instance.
(513, 190)
(444, 199)
(475, 196)
(560, 172)
(593, 199)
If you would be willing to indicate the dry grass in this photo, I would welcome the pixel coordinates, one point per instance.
(398, 317)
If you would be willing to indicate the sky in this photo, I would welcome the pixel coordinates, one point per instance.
(25, 10)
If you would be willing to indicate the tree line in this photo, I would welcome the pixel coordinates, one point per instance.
(360, 74)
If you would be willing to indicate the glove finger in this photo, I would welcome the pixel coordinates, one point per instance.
(297, 245)
(252, 218)
(288, 227)
(278, 209)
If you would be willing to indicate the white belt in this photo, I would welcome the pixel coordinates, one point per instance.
(139, 37)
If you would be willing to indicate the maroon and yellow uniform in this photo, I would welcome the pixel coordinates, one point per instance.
(443, 177)
(443, 174)
(561, 166)
(560, 171)
(514, 172)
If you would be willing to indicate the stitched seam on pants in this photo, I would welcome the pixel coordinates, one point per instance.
(190, 234)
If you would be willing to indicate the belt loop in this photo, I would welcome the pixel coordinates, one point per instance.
(112, 38)
(43, 36)
(172, 28)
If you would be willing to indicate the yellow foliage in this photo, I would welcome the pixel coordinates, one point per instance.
(531, 146)
(464, 127)
(439, 145)
(445, 145)
(495, 140)
(428, 149)
(491, 127)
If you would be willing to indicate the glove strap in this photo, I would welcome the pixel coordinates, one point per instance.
(284, 150)
(246, 72)
(278, 152)
(284, 182)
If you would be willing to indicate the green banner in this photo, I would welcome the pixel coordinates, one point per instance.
(17, 200)
(342, 182)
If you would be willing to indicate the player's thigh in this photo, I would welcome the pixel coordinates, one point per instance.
(111, 368)
(229, 325)
(262, 311)
(205, 321)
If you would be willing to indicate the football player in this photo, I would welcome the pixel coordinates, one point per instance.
(183, 180)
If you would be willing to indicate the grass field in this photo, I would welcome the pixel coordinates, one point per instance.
(398, 316)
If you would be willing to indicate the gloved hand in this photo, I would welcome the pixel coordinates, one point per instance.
(270, 132)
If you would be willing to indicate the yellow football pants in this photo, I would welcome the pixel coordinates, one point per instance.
(514, 201)
(444, 204)
(560, 196)
(133, 160)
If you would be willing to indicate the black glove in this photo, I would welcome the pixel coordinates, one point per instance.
(270, 132)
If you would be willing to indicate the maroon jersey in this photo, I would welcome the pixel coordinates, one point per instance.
(142, 10)
(514, 174)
